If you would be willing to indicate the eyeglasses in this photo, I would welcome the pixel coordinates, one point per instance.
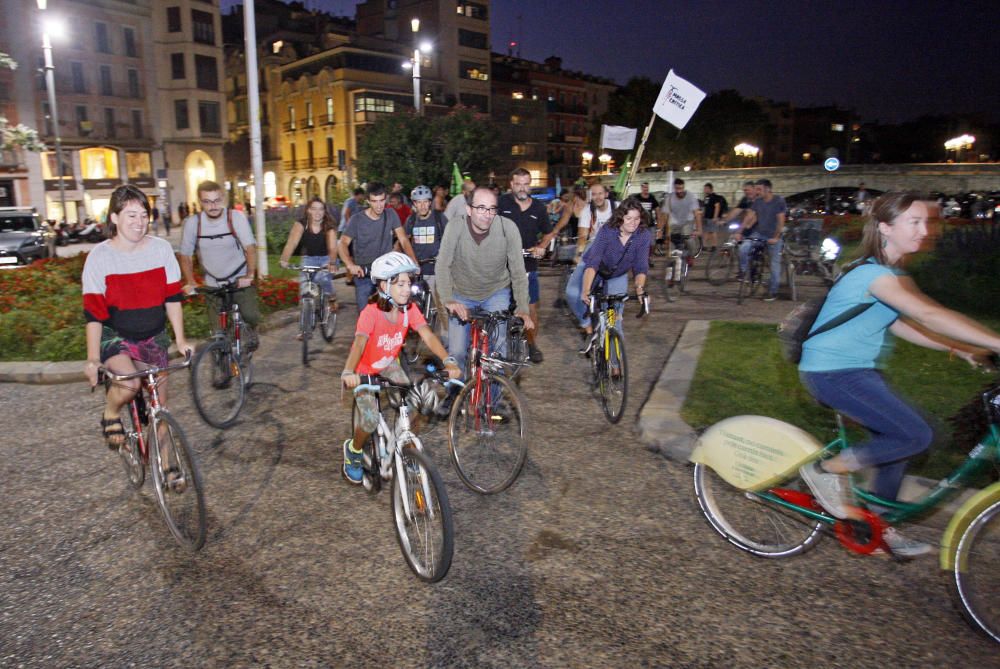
(483, 209)
(210, 203)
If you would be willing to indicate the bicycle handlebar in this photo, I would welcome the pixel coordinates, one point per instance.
(103, 372)
(317, 269)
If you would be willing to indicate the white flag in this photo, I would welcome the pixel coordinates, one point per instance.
(617, 137)
(677, 100)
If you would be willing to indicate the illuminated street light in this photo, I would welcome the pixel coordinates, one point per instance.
(957, 144)
(745, 150)
(418, 47)
(52, 26)
(604, 159)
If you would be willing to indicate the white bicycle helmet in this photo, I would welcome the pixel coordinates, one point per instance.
(390, 265)
(421, 193)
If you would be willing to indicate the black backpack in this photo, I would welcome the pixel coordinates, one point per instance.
(794, 329)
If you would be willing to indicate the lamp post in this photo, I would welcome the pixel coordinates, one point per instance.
(745, 150)
(604, 159)
(587, 157)
(50, 84)
(956, 144)
(418, 48)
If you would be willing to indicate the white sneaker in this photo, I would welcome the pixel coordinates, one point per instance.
(902, 546)
(832, 491)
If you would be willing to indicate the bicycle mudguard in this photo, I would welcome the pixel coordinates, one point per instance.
(961, 521)
(754, 452)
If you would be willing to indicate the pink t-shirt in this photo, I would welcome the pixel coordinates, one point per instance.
(385, 339)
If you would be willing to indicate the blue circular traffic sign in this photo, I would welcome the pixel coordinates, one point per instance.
(831, 164)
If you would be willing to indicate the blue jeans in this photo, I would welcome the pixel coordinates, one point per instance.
(363, 288)
(775, 252)
(898, 431)
(458, 332)
(574, 290)
(322, 278)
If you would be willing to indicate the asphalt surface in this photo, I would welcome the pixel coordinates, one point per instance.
(596, 556)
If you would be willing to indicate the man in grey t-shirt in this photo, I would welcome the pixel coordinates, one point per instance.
(374, 231)
(764, 222)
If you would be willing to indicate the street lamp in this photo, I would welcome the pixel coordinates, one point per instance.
(745, 150)
(418, 48)
(587, 157)
(956, 144)
(49, 26)
(604, 158)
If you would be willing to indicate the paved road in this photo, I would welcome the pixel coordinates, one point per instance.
(596, 556)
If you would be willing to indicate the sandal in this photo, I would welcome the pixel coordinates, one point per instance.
(109, 434)
(172, 478)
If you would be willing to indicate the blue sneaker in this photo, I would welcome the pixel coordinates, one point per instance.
(352, 462)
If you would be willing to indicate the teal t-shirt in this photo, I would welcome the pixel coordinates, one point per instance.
(861, 341)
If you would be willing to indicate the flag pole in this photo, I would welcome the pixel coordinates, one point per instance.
(638, 156)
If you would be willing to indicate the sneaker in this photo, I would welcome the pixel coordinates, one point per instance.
(740, 276)
(832, 491)
(353, 461)
(534, 355)
(902, 546)
(770, 298)
(589, 342)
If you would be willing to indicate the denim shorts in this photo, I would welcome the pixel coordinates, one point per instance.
(534, 291)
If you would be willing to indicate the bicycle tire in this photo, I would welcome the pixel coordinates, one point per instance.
(427, 534)
(975, 578)
(695, 246)
(488, 444)
(751, 523)
(218, 384)
(614, 390)
(719, 267)
(307, 313)
(135, 468)
(327, 321)
(685, 273)
(793, 290)
(185, 518)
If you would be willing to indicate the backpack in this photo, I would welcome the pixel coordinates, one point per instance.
(794, 329)
(724, 205)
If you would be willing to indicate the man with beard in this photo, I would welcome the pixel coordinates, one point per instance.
(227, 252)
(532, 220)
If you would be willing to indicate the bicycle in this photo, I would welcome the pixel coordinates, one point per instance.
(420, 508)
(176, 478)
(723, 260)
(747, 486)
(608, 363)
(803, 253)
(487, 427)
(222, 369)
(423, 296)
(685, 248)
(314, 307)
(757, 269)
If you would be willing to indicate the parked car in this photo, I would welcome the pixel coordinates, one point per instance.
(813, 202)
(23, 239)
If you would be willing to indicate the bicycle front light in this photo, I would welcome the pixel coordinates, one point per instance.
(830, 249)
(734, 226)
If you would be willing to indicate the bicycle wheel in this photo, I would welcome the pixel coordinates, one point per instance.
(422, 515)
(217, 384)
(135, 468)
(695, 246)
(751, 523)
(327, 321)
(719, 267)
(307, 315)
(793, 290)
(685, 273)
(177, 482)
(487, 432)
(614, 385)
(976, 577)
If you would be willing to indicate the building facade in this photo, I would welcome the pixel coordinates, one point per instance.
(125, 73)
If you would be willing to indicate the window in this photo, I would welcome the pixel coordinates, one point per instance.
(177, 65)
(309, 152)
(293, 152)
(103, 41)
(137, 123)
(173, 19)
(208, 118)
(206, 73)
(473, 39)
(341, 159)
(480, 102)
(515, 120)
(99, 162)
(106, 80)
(291, 117)
(470, 70)
(329, 111)
(329, 150)
(138, 165)
(79, 83)
(372, 103)
(203, 26)
(181, 120)
(837, 127)
(309, 114)
(518, 150)
(473, 10)
(133, 84)
(129, 35)
(109, 122)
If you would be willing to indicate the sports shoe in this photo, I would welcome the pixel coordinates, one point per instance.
(534, 355)
(352, 462)
(770, 298)
(832, 491)
(589, 341)
(902, 546)
(740, 276)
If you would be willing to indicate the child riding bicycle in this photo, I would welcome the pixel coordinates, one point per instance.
(382, 328)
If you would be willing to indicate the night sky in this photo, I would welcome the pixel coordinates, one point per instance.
(890, 61)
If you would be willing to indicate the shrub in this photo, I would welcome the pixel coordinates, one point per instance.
(962, 271)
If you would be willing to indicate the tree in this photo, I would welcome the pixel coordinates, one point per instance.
(415, 149)
(16, 136)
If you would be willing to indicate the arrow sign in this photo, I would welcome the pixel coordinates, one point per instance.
(831, 164)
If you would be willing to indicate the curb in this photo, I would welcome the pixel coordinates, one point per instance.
(71, 371)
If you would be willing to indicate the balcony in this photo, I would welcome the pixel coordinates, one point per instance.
(99, 131)
(326, 120)
(290, 126)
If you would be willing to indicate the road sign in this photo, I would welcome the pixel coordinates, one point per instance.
(831, 164)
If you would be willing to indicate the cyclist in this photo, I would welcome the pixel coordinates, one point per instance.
(839, 367)
(131, 288)
(381, 331)
(424, 228)
(764, 223)
(317, 233)
(621, 246)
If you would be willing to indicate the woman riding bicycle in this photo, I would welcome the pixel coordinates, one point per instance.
(318, 234)
(381, 331)
(839, 367)
(621, 246)
(131, 288)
